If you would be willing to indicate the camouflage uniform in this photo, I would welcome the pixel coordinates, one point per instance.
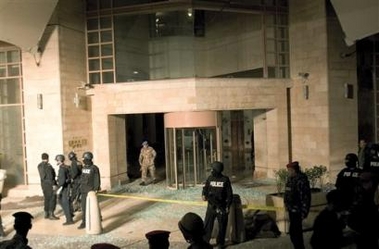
(146, 160)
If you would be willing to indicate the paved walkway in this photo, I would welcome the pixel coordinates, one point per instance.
(130, 211)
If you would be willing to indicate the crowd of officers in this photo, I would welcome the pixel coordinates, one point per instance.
(70, 187)
(358, 184)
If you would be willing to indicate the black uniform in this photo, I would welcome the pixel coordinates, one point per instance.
(89, 181)
(297, 200)
(219, 194)
(64, 180)
(47, 176)
(347, 182)
(75, 172)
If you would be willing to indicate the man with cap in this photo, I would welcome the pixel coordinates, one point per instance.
(158, 239)
(218, 192)
(22, 225)
(192, 227)
(49, 186)
(297, 200)
(146, 160)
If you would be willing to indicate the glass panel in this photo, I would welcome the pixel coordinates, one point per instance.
(282, 33)
(271, 72)
(10, 91)
(283, 59)
(270, 46)
(271, 59)
(283, 46)
(3, 58)
(283, 72)
(105, 22)
(108, 77)
(11, 146)
(107, 63)
(93, 37)
(3, 71)
(105, 4)
(93, 51)
(94, 78)
(270, 32)
(94, 65)
(92, 5)
(106, 50)
(106, 36)
(177, 53)
(13, 56)
(93, 24)
(13, 70)
(190, 151)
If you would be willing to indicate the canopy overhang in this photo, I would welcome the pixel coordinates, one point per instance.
(22, 22)
(359, 19)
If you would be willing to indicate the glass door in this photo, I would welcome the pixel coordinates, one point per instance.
(189, 152)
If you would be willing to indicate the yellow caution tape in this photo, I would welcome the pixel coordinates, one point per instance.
(193, 203)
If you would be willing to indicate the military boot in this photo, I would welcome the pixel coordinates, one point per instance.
(53, 217)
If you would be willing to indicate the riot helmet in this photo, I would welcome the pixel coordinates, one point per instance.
(59, 158)
(217, 167)
(351, 160)
(87, 155)
(192, 226)
(71, 155)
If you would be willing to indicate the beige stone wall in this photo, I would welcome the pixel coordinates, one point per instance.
(323, 126)
(59, 126)
(343, 111)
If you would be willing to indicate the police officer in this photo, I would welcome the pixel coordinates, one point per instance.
(348, 181)
(22, 225)
(64, 189)
(75, 172)
(89, 181)
(192, 227)
(49, 186)
(218, 192)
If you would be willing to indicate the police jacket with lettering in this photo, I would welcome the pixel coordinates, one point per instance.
(374, 165)
(90, 179)
(47, 174)
(297, 195)
(348, 180)
(218, 191)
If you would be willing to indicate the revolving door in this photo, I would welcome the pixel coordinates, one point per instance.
(189, 153)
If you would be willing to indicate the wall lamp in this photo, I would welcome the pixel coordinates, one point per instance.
(39, 101)
(304, 77)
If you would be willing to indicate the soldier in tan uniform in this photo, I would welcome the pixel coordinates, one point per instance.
(146, 160)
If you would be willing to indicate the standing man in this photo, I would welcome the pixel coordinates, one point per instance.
(22, 225)
(64, 187)
(146, 160)
(348, 181)
(75, 172)
(218, 192)
(49, 186)
(363, 154)
(89, 181)
(297, 200)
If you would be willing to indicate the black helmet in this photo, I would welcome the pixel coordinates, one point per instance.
(351, 160)
(71, 155)
(217, 167)
(59, 158)
(191, 225)
(87, 155)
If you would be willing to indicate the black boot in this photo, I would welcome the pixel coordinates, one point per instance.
(46, 215)
(53, 217)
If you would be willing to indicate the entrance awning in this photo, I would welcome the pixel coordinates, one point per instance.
(22, 22)
(359, 19)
